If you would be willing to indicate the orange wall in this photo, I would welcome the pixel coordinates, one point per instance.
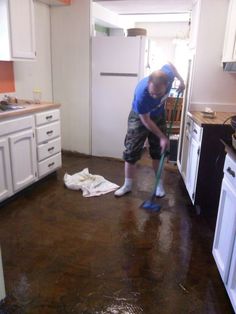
(7, 83)
(65, 1)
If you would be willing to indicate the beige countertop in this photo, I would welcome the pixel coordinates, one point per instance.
(28, 109)
(220, 117)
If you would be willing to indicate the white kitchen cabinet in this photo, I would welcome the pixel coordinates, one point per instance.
(5, 170)
(17, 30)
(2, 285)
(231, 286)
(225, 229)
(48, 132)
(23, 159)
(192, 167)
(224, 247)
(30, 148)
(193, 146)
(229, 50)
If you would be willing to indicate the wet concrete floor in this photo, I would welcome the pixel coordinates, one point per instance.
(63, 253)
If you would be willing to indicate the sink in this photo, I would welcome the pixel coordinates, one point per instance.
(9, 107)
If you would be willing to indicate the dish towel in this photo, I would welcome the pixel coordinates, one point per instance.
(90, 184)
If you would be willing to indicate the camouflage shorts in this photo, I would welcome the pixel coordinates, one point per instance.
(137, 134)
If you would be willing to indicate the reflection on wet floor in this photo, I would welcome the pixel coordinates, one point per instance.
(63, 253)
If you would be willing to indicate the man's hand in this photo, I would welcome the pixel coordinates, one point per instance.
(164, 144)
(181, 87)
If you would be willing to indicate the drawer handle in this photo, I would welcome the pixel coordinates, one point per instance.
(51, 164)
(231, 172)
(188, 123)
(50, 149)
(49, 117)
(195, 131)
(49, 132)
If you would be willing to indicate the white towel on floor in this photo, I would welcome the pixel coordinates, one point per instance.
(90, 184)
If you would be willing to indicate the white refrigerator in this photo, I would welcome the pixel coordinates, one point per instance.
(118, 63)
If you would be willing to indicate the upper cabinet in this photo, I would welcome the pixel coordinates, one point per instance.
(17, 31)
(229, 51)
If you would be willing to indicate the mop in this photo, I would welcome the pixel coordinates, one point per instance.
(151, 203)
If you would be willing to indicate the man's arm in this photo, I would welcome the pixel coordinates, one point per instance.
(179, 77)
(151, 126)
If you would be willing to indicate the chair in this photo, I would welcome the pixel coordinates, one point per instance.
(169, 109)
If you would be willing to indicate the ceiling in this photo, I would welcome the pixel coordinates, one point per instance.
(133, 7)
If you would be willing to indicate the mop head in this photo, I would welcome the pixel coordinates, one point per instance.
(151, 206)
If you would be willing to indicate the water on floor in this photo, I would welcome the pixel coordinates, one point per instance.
(63, 253)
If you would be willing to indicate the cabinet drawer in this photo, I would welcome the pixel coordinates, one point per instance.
(47, 116)
(196, 132)
(49, 165)
(48, 132)
(15, 125)
(230, 170)
(49, 149)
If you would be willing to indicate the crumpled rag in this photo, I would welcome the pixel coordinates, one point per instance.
(90, 184)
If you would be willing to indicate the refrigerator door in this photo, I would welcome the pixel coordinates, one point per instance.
(116, 69)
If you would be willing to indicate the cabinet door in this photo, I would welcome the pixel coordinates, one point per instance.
(2, 286)
(22, 29)
(23, 157)
(230, 33)
(231, 286)
(5, 170)
(185, 153)
(225, 230)
(192, 167)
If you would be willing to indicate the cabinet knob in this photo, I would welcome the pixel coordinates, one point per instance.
(49, 117)
(231, 172)
(49, 132)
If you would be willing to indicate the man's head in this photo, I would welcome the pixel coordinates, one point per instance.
(157, 84)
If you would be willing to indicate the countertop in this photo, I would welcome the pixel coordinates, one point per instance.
(219, 119)
(28, 109)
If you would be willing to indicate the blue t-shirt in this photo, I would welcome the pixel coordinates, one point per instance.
(144, 103)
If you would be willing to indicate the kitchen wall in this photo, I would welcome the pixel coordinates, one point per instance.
(71, 27)
(32, 74)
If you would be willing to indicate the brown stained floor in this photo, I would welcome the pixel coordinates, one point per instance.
(63, 253)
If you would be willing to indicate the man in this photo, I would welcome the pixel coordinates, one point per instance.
(146, 120)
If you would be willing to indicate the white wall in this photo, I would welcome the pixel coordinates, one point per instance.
(165, 29)
(71, 27)
(212, 86)
(108, 18)
(36, 74)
